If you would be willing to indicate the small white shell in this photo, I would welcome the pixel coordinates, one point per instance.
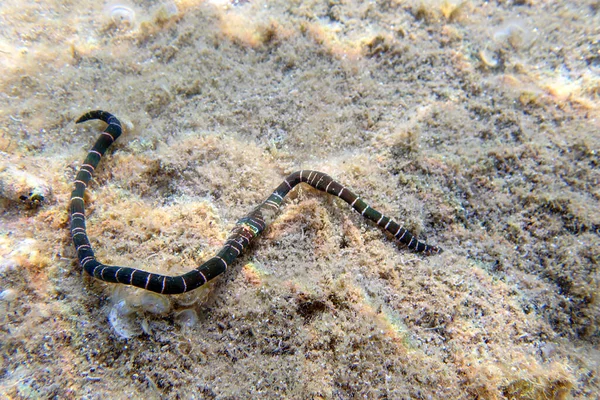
(154, 303)
(488, 59)
(121, 14)
(187, 318)
(517, 33)
(8, 295)
(122, 320)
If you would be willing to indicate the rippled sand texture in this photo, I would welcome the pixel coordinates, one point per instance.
(475, 124)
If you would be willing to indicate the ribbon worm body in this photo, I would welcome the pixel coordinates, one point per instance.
(242, 234)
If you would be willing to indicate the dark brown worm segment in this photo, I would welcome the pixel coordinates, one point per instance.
(246, 229)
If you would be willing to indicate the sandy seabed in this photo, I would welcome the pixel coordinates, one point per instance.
(474, 124)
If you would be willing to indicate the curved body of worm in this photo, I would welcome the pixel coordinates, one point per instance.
(243, 233)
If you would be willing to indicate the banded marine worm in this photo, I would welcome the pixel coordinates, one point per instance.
(246, 229)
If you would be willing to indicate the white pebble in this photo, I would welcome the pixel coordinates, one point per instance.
(8, 295)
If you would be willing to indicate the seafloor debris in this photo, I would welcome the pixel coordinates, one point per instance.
(21, 186)
(131, 307)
